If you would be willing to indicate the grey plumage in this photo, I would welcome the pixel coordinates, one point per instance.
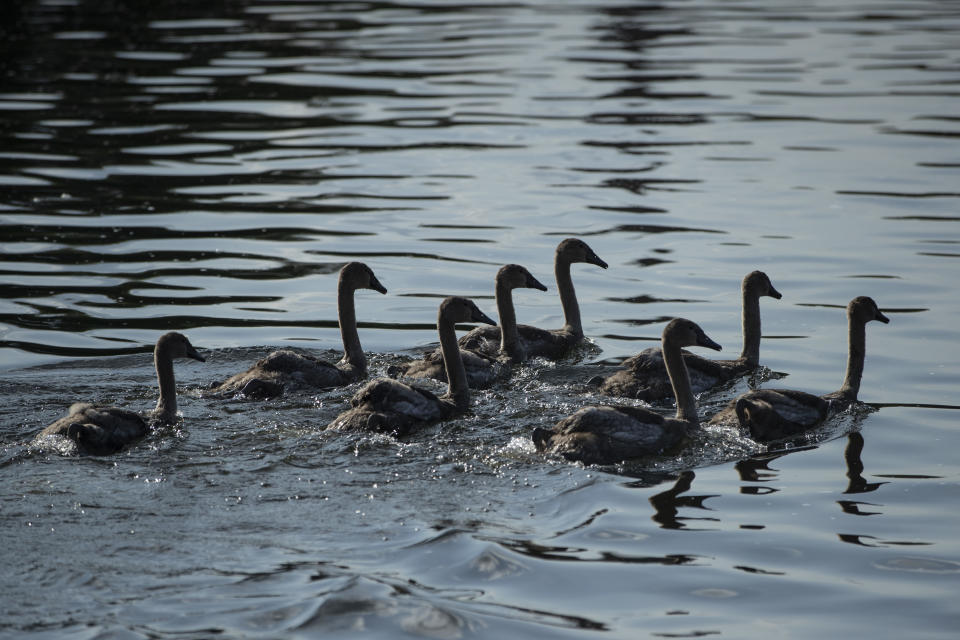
(285, 369)
(106, 430)
(608, 434)
(773, 414)
(389, 406)
(536, 342)
(644, 376)
(484, 367)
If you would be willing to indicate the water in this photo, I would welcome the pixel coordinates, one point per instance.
(209, 168)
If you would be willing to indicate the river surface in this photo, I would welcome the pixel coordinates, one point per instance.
(207, 167)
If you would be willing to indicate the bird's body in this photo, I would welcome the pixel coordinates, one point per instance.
(774, 414)
(285, 369)
(644, 376)
(545, 343)
(483, 368)
(105, 430)
(609, 434)
(98, 430)
(388, 406)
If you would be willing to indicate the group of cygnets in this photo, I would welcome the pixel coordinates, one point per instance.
(597, 434)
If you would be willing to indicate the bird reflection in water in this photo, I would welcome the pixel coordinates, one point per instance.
(857, 483)
(757, 469)
(666, 504)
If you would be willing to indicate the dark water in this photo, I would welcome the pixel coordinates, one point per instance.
(208, 167)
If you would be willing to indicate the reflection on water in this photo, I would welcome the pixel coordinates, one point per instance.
(668, 503)
(858, 484)
(209, 167)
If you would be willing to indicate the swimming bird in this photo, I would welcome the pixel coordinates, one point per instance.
(482, 368)
(609, 434)
(288, 369)
(644, 375)
(388, 406)
(551, 344)
(772, 414)
(106, 430)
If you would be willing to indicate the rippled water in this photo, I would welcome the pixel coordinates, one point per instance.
(208, 167)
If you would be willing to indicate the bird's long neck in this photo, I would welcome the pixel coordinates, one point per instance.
(856, 351)
(167, 403)
(751, 328)
(347, 317)
(457, 388)
(568, 297)
(680, 381)
(509, 336)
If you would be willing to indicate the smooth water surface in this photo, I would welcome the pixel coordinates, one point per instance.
(208, 167)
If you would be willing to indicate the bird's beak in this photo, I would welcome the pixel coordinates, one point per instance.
(533, 283)
(593, 258)
(480, 316)
(376, 286)
(704, 341)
